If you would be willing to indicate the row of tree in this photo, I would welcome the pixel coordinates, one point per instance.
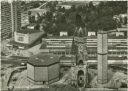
(95, 18)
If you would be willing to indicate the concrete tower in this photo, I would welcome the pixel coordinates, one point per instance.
(102, 50)
(15, 15)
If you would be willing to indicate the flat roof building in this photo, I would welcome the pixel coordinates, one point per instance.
(59, 45)
(68, 60)
(43, 69)
(27, 37)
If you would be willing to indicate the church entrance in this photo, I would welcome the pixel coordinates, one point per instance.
(80, 78)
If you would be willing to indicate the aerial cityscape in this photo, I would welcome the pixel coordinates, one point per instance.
(54, 45)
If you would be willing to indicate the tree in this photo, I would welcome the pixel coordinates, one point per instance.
(48, 16)
(31, 19)
(72, 17)
(91, 6)
(102, 15)
(35, 4)
(104, 23)
(79, 22)
(73, 9)
(23, 3)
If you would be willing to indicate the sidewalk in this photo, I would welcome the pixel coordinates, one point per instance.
(5, 79)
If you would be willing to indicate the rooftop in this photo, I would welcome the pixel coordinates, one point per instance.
(28, 31)
(18, 44)
(75, 3)
(67, 57)
(59, 37)
(42, 59)
(39, 10)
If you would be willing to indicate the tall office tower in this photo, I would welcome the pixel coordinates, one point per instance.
(16, 16)
(102, 50)
(10, 18)
(6, 27)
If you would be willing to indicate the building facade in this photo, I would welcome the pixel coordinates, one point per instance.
(26, 38)
(43, 69)
(6, 27)
(116, 47)
(10, 18)
(16, 16)
(69, 60)
(57, 45)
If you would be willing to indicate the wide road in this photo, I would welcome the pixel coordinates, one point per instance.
(18, 61)
(13, 61)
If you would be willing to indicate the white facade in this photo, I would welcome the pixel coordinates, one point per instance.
(122, 29)
(57, 45)
(26, 38)
(91, 33)
(63, 34)
(21, 38)
(119, 33)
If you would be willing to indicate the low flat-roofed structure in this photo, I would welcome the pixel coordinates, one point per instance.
(59, 45)
(43, 69)
(68, 60)
(26, 38)
(28, 31)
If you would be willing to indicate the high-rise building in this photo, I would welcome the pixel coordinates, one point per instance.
(6, 26)
(16, 16)
(10, 18)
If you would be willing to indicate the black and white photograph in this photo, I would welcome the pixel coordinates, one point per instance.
(64, 45)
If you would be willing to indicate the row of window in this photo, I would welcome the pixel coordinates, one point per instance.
(20, 39)
(61, 53)
(95, 53)
(90, 54)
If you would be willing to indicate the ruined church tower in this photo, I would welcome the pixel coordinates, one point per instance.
(80, 43)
